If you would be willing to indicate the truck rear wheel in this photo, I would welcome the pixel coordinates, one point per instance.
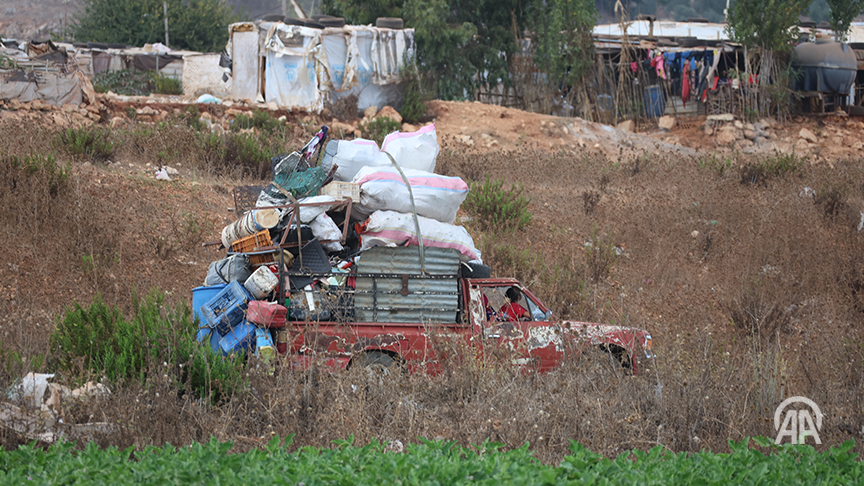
(377, 364)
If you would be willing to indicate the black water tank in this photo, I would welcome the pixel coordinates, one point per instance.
(826, 67)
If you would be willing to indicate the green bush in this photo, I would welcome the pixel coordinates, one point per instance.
(378, 128)
(123, 82)
(87, 141)
(495, 208)
(237, 154)
(98, 340)
(778, 165)
(260, 119)
(166, 85)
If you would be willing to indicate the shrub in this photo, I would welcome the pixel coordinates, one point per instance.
(590, 199)
(778, 165)
(497, 209)
(123, 82)
(166, 85)
(715, 163)
(87, 141)
(601, 255)
(378, 128)
(55, 175)
(239, 154)
(412, 101)
(99, 340)
(259, 119)
(831, 200)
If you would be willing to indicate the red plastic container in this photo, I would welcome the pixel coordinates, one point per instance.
(267, 314)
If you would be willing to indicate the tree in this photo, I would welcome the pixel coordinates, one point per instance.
(841, 16)
(564, 43)
(198, 25)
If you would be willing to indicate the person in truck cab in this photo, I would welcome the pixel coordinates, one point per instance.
(512, 311)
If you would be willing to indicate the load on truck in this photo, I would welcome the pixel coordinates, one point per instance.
(356, 260)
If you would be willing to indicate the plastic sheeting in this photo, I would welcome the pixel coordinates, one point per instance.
(304, 66)
(53, 88)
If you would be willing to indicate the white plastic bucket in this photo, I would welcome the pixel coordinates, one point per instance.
(261, 283)
(249, 224)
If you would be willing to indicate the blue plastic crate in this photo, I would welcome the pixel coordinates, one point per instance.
(228, 308)
(211, 337)
(241, 338)
(200, 296)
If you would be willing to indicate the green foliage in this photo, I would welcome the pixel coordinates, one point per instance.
(769, 24)
(717, 164)
(378, 128)
(237, 154)
(778, 165)
(55, 176)
(497, 209)
(7, 63)
(197, 25)
(260, 119)
(842, 13)
(92, 142)
(166, 84)
(99, 341)
(136, 83)
(429, 462)
(564, 46)
(412, 97)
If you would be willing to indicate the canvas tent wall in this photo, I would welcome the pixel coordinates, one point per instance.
(301, 67)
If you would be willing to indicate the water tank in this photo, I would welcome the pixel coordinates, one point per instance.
(826, 67)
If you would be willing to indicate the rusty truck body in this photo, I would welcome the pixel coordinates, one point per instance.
(398, 309)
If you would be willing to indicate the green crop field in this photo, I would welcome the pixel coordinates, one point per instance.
(750, 462)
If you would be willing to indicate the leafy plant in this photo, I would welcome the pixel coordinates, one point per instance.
(778, 165)
(163, 84)
(259, 119)
(196, 25)
(497, 209)
(123, 82)
(231, 153)
(831, 200)
(378, 128)
(717, 164)
(842, 13)
(100, 341)
(92, 142)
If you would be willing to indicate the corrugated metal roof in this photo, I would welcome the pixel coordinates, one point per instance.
(430, 299)
(704, 31)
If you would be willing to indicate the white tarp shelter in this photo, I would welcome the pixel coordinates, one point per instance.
(300, 67)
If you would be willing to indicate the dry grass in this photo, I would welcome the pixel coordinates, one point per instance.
(751, 294)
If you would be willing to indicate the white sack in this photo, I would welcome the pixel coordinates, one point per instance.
(417, 150)
(435, 196)
(324, 228)
(388, 228)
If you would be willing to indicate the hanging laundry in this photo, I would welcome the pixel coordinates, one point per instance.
(658, 64)
(685, 85)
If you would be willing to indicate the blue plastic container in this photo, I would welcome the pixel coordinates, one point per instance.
(211, 337)
(655, 102)
(264, 347)
(200, 296)
(241, 338)
(227, 308)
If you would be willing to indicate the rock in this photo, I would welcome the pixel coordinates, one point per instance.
(24, 107)
(466, 139)
(802, 147)
(14, 104)
(232, 113)
(340, 129)
(357, 133)
(725, 138)
(759, 140)
(370, 112)
(390, 113)
(708, 131)
(725, 117)
(749, 126)
(408, 128)
(858, 145)
(769, 122)
(68, 108)
(749, 134)
(92, 109)
(117, 121)
(808, 135)
(227, 103)
(272, 106)
(667, 122)
(743, 144)
(627, 126)
(738, 124)
(94, 116)
(172, 171)
(695, 234)
(206, 116)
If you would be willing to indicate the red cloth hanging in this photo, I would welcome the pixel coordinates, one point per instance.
(685, 85)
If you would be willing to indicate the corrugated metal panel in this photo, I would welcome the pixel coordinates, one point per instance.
(379, 299)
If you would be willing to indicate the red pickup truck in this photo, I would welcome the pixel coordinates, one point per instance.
(406, 307)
